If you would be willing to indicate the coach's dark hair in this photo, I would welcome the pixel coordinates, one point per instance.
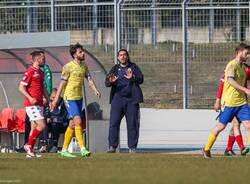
(241, 47)
(124, 50)
(73, 49)
(35, 54)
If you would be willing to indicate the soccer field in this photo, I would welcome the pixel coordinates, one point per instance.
(124, 168)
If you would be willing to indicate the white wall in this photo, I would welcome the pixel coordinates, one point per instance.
(164, 128)
(160, 129)
(27, 40)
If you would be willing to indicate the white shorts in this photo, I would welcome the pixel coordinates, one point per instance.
(35, 112)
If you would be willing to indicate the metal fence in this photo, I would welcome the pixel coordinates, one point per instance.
(181, 46)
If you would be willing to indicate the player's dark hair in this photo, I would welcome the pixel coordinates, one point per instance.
(54, 89)
(35, 54)
(124, 50)
(42, 52)
(241, 46)
(73, 49)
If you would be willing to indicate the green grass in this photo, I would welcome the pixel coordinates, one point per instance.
(124, 168)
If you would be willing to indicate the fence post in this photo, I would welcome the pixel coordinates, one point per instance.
(184, 55)
(52, 15)
(249, 19)
(28, 16)
(154, 28)
(117, 27)
(31, 17)
(238, 22)
(211, 22)
(95, 33)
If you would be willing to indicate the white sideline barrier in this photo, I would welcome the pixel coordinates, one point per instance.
(163, 128)
(98, 135)
(160, 129)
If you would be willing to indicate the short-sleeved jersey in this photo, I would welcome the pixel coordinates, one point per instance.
(221, 84)
(74, 74)
(47, 78)
(231, 96)
(33, 80)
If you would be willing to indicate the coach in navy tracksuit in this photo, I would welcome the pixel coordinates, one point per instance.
(124, 79)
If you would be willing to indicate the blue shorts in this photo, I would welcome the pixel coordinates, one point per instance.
(242, 113)
(74, 108)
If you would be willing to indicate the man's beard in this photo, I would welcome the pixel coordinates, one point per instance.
(124, 63)
(243, 60)
(81, 58)
(41, 65)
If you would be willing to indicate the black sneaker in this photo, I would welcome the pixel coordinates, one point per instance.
(20, 150)
(206, 154)
(54, 149)
(111, 149)
(229, 153)
(244, 151)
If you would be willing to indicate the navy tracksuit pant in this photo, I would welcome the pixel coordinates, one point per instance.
(27, 129)
(121, 107)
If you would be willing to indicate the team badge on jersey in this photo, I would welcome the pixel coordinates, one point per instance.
(36, 74)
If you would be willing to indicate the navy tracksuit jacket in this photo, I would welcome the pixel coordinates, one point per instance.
(125, 97)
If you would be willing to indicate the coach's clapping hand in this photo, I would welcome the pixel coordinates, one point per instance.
(112, 78)
(129, 74)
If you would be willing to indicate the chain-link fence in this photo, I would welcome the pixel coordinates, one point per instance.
(181, 46)
(213, 32)
(152, 31)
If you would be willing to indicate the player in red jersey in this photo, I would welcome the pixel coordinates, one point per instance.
(32, 87)
(235, 132)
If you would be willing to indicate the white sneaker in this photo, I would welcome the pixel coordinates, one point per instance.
(28, 150)
(132, 150)
(35, 156)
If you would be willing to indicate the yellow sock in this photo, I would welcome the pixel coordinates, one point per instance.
(67, 138)
(79, 136)
(210, 142)
(248, 140)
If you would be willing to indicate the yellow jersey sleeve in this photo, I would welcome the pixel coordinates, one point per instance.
(65, 73)
(231, 96)
(230, 70)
